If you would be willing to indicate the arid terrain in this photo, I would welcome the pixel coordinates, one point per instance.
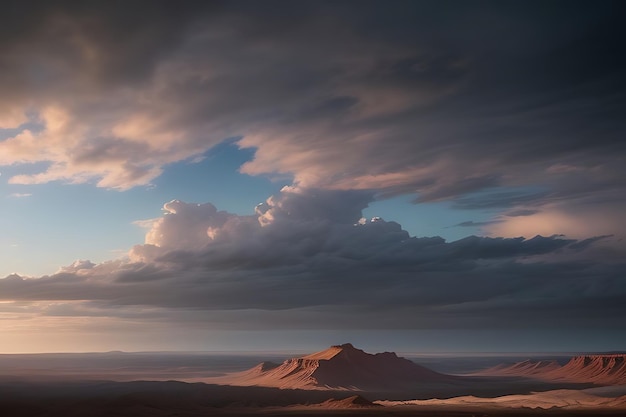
(340, 380)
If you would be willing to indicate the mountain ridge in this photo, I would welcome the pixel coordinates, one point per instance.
(601, 369)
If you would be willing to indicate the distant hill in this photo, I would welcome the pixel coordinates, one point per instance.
(341, 367)
(607, 369)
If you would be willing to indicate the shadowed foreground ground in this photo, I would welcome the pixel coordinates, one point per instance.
(22, 398)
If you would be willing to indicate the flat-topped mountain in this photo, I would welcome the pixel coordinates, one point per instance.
(339, 367)
(599, 369)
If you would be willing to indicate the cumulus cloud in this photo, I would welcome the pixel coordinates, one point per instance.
(77, 267)
(186, 226)
(308, 260)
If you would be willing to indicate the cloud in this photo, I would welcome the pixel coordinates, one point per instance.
(488, 108)
(441, 103)
(77, 267)
(522, 212)
(471, 223)
(186, 226)
(308, 260)
(583, 244)
(579, 221)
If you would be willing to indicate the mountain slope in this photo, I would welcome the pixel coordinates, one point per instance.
(598, 369)
(339, 367)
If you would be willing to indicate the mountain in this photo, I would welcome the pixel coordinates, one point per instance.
(597, 369)
(339, 367)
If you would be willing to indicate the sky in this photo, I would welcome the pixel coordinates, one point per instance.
(418, 176)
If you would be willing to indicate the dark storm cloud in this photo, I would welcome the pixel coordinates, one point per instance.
(112, 43)
(500, 199)
(471, 223)
(295, 268)
(522, 212)
(584, 244)
(441, 100)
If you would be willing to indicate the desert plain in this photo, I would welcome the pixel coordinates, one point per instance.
(341, 380)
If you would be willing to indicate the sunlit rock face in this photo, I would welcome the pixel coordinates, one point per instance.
(609, 369)
(341, 367)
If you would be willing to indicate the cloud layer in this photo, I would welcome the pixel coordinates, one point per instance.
(513, 109)
(306, 260)
(440, 102)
